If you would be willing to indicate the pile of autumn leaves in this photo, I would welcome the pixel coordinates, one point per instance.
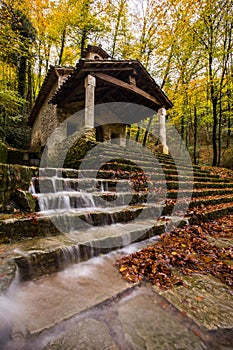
(183, 251)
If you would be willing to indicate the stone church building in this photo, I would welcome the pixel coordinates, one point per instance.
(96, 79)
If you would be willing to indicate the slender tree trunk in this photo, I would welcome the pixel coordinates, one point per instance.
(29, 89)
(63, 40)
(121, 8)
(229, 123)
(195, 136)
(167, 70)
(138, 133)
(47, 57)
(39, 68)
(22, 76)
(182, 127)
(83, 41)
(220, 132)
(214, 106)
(85, 12)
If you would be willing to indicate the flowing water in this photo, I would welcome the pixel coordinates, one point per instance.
(28, 308)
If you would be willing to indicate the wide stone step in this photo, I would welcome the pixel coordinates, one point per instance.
(137, 159)
(135, 165)
(124, 174)
(213, 200)
(52, 299)
(136, 153)
(53, 185)
(198, 193)
(116, 167)
(108, 181)
(74, 200)
(77, 187)
(54, 221)
(196, 185)
(211, 213)
(43, 256)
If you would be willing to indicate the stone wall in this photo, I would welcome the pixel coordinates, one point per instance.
(45, 123)
(23, 157)
(12, 178)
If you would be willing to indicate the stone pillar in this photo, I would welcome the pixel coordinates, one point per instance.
(90, 83)
(162, 129)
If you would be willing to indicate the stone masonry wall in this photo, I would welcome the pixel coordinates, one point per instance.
(45, 122)
(13, 177)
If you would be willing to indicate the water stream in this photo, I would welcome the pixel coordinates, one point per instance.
(31, 307)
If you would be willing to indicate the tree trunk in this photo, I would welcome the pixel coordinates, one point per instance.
(182, 127)
(138, 133)
(22, 76)
(117, 27)
(214, 133)
(220, 132)
(63, 39)
(229, 124)
(29, 89)
(195, 136)
(83, 41)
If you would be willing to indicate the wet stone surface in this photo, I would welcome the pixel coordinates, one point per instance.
(136, 319)
(205, 299)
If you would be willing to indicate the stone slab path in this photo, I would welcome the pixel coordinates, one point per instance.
(89, 306)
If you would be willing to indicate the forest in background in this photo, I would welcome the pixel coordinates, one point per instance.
(186, 45)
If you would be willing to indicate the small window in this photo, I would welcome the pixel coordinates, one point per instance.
(96, 57)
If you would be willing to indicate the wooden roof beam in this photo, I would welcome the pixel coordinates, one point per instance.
(129, 87)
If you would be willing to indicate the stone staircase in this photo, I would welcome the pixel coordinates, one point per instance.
(111, 200)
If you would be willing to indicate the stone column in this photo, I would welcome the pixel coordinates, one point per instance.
(162, 129)
(90, 83)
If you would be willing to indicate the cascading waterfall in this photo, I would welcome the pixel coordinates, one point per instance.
(60, 194)
(76, 194)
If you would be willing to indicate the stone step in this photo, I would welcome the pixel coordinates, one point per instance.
(35, 257)
(53, 185)
(135, 165)
(48, 255)
(53, 221)
(213, 200)
(196, 185)
(211, 213)
(119, 169)
(136, 152)
(196, 193)
(74, 200)
(95, 199)
(108, 179)
(49, 300)
(123, 173)
(38, 225)
(138, 159)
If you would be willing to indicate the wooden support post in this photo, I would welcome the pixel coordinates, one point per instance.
(90, 83)
(162, 129)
